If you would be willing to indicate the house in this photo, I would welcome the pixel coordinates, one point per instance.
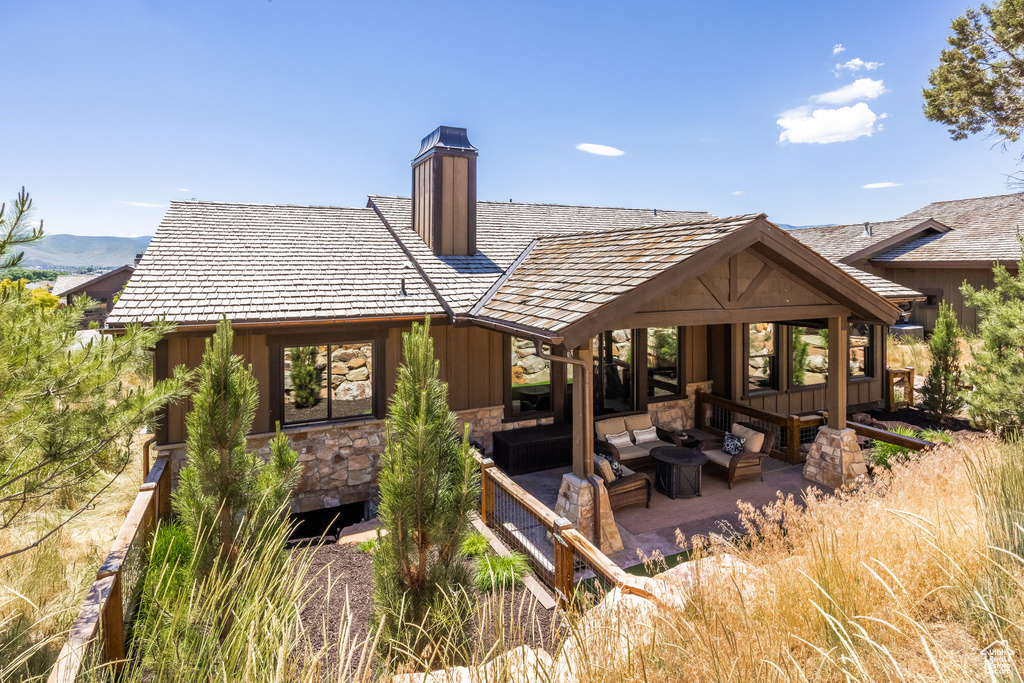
(933, 250)
(638, 308)
(102, 288)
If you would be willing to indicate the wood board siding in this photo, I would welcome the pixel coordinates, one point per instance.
(948, 281)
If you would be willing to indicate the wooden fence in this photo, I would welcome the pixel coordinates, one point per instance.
(98, 633)
(561, 556)
(715, 415)
(900, 385)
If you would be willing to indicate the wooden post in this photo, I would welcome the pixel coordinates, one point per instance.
(793, 439)
(838, 337)
(908, 393)
(113, 624)
(486, 490)
(583, 413)
(564, 578)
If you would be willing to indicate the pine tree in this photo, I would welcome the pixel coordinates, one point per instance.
(305, 377)
(943, 392)
(224, 483)
(997, 370)
(68, 410)
(429, 484)
(801, 350)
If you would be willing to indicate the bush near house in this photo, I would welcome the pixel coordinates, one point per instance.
(943, 394)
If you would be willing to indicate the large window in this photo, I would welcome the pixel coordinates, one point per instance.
(809, 353)
(531, 379)
(862, 357)
(664, 371)
(328, 382)
(613, 363)
(762, 358)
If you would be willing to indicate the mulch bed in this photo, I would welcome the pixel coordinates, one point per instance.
(342, 567)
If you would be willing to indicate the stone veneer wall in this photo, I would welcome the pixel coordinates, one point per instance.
(678, 414)
(340, 461)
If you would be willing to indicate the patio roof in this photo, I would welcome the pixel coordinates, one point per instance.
(562, 288)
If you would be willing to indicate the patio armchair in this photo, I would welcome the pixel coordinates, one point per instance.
(632, 488)
(636, 454)
(759, 443)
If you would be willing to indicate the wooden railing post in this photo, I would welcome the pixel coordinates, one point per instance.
(908, 393)
(486, 490)
(113, 624)
(793, 439)
(564, 578)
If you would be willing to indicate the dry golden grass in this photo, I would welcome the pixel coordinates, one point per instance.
(42, 589)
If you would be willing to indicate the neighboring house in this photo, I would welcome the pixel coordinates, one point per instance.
(42, 284)
(933, 250)
(655, 304)
(101, 288)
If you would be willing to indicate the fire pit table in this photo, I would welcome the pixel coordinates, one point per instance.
(677, 470)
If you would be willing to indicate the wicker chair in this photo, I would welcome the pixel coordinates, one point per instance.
(632, 488)
(746, 464)
(636, 455)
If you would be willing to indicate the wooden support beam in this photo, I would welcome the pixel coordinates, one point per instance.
(583, 413)
(838, 353)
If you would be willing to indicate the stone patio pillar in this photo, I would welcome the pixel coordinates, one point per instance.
(578, 501)
(835, 458)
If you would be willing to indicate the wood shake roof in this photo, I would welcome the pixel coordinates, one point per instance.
(841, 242)
(259, 262)
(68, 284)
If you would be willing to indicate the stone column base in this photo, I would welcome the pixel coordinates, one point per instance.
(835, 459)
(576, 499)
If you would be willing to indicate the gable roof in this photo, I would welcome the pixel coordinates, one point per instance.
(274, 263)
(984, 229)
(564, 279)
(69, 284)
(503, 231)
(849, 244)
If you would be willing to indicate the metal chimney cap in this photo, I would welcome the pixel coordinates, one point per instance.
(446, 137)
(867, 229)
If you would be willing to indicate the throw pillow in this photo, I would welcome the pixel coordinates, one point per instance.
(733, 443)
(616, 468)
(620, 440)
(604, 468)
(646, 435)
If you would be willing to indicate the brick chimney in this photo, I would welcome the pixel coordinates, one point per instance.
(444, 192)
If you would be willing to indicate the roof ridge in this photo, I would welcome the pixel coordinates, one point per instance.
(968, 199)
(655, 226)
(284, 206)
(566, 206)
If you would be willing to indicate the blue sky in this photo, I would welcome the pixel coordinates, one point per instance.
(114, 108)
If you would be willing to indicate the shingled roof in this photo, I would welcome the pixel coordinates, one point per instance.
(259, 262)
(69, 284)
(503, 231)
(984, 229)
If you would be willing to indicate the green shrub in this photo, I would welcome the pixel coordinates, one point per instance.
(475, 545)
(169, 568)
(367, 545)
(943, 394)
(885, 454)
(305, 377)
(501, 572)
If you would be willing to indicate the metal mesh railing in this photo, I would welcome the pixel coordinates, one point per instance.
(523, 530)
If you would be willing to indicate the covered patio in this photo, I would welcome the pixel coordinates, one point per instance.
(575, 297)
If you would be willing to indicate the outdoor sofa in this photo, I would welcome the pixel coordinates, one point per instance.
(757, 445)
(631, 452)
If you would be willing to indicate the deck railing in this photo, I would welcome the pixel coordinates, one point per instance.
(573, 567)
(716, 415)
(900, 385)
(99, 632)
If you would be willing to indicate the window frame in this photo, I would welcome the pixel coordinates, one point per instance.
(870, 354)
(680, 366)
(556, 373)
(776, 386)
(276, 400)
(790, 383)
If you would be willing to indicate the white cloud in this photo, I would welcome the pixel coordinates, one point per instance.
(876, 186)
(737, 192)
(860, 89)
(181, 189)
(856, 64)
(827, 125)
(837, 48)
(145, 205)
(601, 150)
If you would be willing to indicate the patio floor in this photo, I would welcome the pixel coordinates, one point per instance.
(654, 528)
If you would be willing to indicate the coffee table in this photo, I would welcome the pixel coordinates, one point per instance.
(677, 470)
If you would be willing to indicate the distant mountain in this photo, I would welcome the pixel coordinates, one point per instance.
(786, 226)
(76, 251)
